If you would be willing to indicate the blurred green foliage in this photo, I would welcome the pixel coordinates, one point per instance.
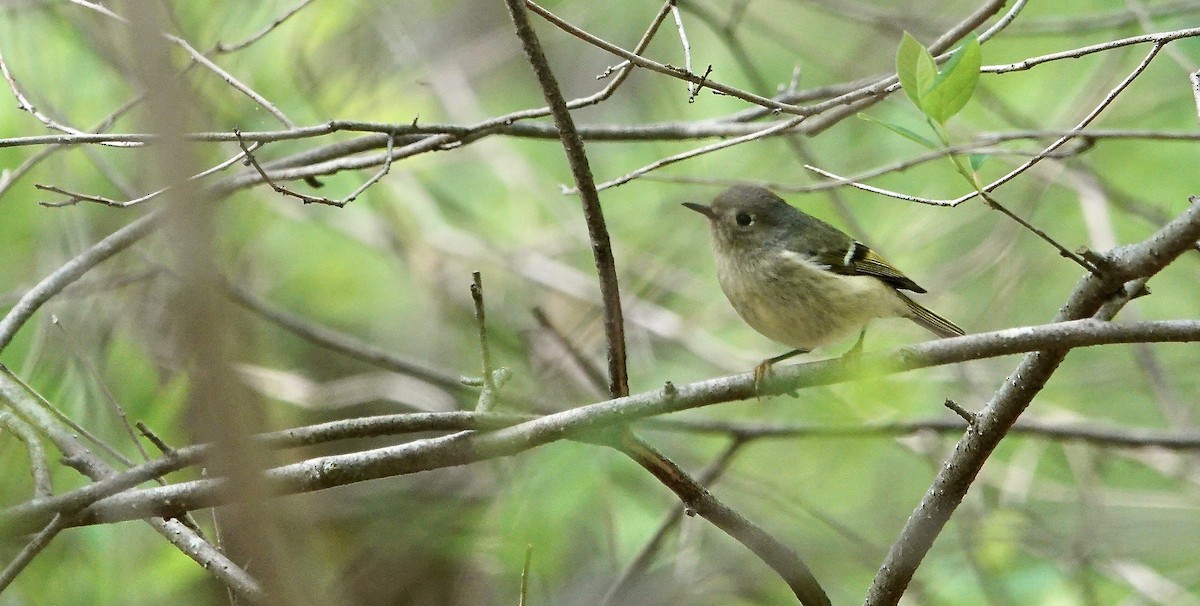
(1048, 522)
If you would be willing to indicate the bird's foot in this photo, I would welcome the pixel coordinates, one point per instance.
(764, 369)
(855, 352)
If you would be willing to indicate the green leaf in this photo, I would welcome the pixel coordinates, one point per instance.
(900, 130)
(915, 69)
(955, 84)
(976, 161)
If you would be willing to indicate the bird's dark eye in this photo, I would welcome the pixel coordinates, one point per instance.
(744, 219)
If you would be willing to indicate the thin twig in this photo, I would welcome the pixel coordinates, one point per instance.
(766, 132)
(642, 560)
(524, 595)
(614, 323)
(693, 87)
(23, 104)
(674, 72)
(71, 271)
(341, 342)
(109, 396)
(1062, 250)
(965, 414)
(39, 466)
(199, 57)
(1195, 79)
(31, 549)
(701, 502)
(74, 198)
(223, 48)
(595, 376)
(487, 394)
(305, 198)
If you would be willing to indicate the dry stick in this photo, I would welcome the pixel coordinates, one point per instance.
(614, 324)
(109, 397)
(691, 153)
(28, 405)
(1195, 79)
(74, 198)
(898, 166)
(642, 560)
(693, 87)
(524, 590)
(223, 48)
(593, 374)
(40, 510)
(343, 343)
(1045, 237)
(488, 387)
(31, 549)
(701, 502)
(460, 449)
(1091, 435)
(1099, 21)
(997, 418)
(307, 199)
(1072, 133)
(71, 271)
(655, 66)
(39, 466)
(783, 560)
(23, 104)
(199, 57)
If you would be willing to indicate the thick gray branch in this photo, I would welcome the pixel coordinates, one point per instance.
(997, 418)
(469, 447)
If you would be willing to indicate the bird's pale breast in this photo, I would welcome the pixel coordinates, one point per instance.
(792, 300)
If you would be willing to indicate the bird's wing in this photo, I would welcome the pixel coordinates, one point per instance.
(858, 260)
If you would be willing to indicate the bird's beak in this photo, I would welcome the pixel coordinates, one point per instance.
(702, 209)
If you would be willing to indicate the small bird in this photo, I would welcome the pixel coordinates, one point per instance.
(800, 281)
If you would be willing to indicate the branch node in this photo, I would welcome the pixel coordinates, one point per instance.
(699, 85)
(968, 416)
(670, 392)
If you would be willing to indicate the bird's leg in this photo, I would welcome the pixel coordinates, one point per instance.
(856, 351)
(764, 368)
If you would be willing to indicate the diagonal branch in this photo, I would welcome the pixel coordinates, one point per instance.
(30, 407)
(463, 448)
(614, 324)
(1014, 396)
(700, 501)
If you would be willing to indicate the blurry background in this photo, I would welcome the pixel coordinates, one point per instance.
(1050, 521)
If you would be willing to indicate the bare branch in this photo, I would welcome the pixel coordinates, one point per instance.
(460, 448)
(999, 415)
(38, 464)
(28, 405)
(71, 271)
(701, 502)
(614, 323)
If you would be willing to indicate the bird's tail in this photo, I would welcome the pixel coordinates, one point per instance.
(930, 321)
